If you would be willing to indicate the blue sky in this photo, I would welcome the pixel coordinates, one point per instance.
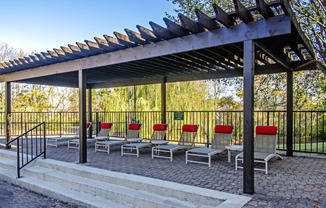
(42, 25)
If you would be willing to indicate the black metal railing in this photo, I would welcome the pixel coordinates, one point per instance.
(29, 145)
(309, 127)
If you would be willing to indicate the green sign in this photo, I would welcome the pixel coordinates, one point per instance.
(178, 115)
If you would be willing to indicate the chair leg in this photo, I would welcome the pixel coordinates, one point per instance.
(266, 167)
(137, 151)
(171, 155)
(121, 150)
(236, 163)
(108, 149)
(209, 160)
(187, 157)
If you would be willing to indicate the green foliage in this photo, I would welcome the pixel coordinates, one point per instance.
(270, 90)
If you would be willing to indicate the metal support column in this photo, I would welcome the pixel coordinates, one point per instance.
(248, 116)
(289, 114)
(8, 113)
(163, 100)
(82, 116)
(90, 118)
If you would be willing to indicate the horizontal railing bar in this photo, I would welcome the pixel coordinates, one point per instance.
(25, 133)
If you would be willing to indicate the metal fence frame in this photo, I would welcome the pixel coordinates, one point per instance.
(309, 127)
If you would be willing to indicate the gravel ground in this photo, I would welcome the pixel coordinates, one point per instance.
(12, 196)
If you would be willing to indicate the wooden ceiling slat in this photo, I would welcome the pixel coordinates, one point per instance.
(242, 12)
(206, 21)
(70, 53)
(103, 44)
(93, 47)
(182, 58)
(147, 34)
(124, 40)
(42, 59)
(194, 60)
(55, 56)
(174, 64)
(62, 55)
(216, 62)
(222, 63)
(174, 28)
(113, 42)
(136, 37)
(264, 9)
(161, 32)
(222, 16)
(190, 25)
(228, 54)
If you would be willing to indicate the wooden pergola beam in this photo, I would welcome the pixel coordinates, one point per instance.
(278, 25)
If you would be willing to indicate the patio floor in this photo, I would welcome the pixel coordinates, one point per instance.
(291, 182)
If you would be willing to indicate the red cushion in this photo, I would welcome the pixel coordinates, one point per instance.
(191, 128)
(106, 125)
(159, 127)
(223, 129)
(134, 126)
(266, 130)
(88, 124)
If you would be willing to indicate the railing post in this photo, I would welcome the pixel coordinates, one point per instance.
(18, 163)
(207, 130)
(21, 122)
(127, 118)
(97, 124)
(44, 141)
(60, 124)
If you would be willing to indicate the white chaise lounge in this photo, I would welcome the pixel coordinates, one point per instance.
(103, 135)
(186, 141)
(132, 133)
(222, 137)
(53, 141)
(264, 147)
(158, 136)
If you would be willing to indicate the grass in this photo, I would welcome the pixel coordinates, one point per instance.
(314, 147)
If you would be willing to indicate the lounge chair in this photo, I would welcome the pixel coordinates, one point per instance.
(132, 135)
(53, 141)
(103, 135)
(186, 141)
(264, 147)
(159, 131)
(222, 137)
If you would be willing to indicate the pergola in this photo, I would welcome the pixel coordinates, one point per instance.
(262, 39)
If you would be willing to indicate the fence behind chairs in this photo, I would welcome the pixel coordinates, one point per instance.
(309, 127)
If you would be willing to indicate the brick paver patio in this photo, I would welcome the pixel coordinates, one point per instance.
(291, 182)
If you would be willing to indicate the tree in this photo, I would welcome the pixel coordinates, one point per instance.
(270, 91)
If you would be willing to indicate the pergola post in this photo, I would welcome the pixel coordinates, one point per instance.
(163, 100)
(248, 116)
(289, 114)
(90, 118)
(82, 116)
(8, 113)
